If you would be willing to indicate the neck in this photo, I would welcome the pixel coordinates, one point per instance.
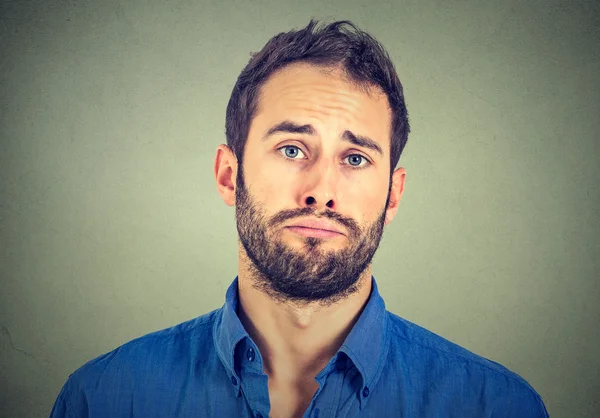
(296, 342)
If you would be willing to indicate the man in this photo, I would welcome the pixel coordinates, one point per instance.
(315, 126)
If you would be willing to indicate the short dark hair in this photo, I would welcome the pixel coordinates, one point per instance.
(340, 43)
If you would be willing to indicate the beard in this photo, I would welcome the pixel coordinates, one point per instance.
(310, 274)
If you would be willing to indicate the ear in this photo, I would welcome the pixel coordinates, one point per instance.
(395, 194)
(225, 169)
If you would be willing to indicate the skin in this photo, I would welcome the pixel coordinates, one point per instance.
(300, 296)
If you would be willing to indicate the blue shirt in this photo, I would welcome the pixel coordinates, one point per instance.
(210, 367)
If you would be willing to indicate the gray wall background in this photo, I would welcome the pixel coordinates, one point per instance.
(111, 226)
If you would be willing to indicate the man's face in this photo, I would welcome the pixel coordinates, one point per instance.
(299, 164)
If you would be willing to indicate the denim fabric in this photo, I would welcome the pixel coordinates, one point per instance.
(210, 367)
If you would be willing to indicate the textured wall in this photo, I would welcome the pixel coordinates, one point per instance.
(111, 226)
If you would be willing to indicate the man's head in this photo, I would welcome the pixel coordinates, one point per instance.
(315, 125)
(339, 44)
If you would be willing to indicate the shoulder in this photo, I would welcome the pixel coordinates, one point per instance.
(455, 372)
(418, 341)
(152, 359)
(163, 345)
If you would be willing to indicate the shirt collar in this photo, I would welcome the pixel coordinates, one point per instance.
(366, 345)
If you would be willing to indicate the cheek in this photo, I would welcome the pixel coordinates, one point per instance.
(365, 199)
(366, 189)
(272, 187)
(366, 203)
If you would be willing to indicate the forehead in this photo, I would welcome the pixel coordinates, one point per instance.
(326, 94)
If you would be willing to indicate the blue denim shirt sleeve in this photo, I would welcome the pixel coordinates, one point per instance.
(62, 406)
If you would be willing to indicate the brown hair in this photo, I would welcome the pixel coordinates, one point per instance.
(339, 43)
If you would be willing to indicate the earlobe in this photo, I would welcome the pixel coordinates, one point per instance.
(225, 170)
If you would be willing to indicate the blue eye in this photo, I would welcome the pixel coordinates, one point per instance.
(356, 157)
(291, 152)
(293, 148)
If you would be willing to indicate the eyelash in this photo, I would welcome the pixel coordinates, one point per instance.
(352, 166)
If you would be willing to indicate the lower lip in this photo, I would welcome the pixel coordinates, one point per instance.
(310, 232)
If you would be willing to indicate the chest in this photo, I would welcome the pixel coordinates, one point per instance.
(290, 401)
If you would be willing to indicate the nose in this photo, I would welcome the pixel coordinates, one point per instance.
(321, 186)
(313, 202)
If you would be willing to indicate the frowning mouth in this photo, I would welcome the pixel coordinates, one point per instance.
(314, 232)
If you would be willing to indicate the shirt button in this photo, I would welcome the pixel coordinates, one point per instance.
(316, 414)
(250, 354)
(233, 380)
(366, 392)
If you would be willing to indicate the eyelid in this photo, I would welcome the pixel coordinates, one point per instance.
(352, 152)
(291, 145)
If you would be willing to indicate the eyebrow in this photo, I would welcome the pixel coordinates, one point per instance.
(293, 128)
